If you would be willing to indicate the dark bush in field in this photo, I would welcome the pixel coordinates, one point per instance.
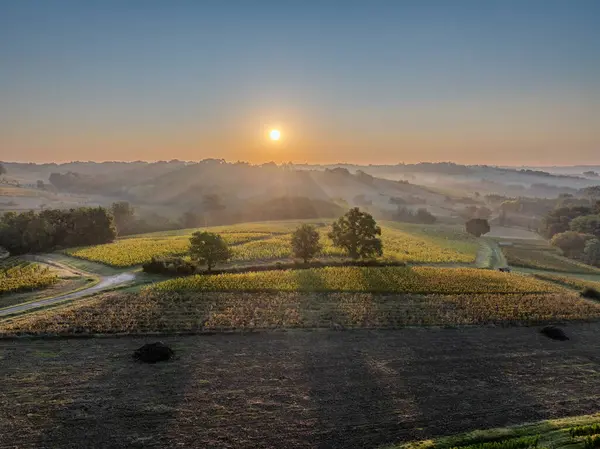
(153, 352)
(590, 293)
(174, 266)
(555, 333)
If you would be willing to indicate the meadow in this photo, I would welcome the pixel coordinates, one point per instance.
(270, 241)
(16, 276)
(418, 279)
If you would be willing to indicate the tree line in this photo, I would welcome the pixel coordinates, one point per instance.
(356, 232)
(575, 230)
(31, 232)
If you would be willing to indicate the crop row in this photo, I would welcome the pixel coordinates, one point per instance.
(25, 276)
(365, 279)
(192, 311)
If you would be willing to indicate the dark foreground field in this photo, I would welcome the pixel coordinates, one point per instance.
(326, 389)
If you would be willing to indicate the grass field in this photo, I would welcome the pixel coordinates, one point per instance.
(258, 242)
(538, 254)
(295, 390)
(16, 276)
(364, 279)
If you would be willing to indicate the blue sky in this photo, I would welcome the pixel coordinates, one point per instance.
(506, 82)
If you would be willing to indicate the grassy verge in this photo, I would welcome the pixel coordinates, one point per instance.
(552, 434)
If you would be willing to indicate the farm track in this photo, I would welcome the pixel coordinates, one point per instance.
(104, 283)
(359, 389)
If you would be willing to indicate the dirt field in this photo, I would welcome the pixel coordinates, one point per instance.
(349, 389)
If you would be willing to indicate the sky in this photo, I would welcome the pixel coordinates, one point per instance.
(478, 82)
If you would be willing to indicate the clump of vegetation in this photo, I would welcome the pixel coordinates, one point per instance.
(525, 442)
(477, 226)
(169, 265)
(591, 442)
(305, 242)
(590, 293)
(209, 249)
(579, 431)
(555, 333)
(571, 243)
(357, 233)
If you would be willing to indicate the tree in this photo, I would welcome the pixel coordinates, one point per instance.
(477, 226)
(571, 243)
(2, 169)
(592, 252)
(305, 242)
(123, 213)
(586, 224)
(209, 249)
(357, 232)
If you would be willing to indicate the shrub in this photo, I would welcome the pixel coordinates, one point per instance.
(591, 442)
(590, 293)
(169, 266)
(579, 431)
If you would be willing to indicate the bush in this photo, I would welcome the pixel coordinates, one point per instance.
(173, 266)
(590, 293)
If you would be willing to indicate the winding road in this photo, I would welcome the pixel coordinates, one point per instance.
(105, 283)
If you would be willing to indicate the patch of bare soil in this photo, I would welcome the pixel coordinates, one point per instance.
(347, 389)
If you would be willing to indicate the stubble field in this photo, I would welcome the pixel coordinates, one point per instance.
(348, 390)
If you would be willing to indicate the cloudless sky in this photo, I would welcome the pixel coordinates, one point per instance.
(479, 81)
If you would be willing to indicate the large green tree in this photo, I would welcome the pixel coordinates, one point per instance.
(357, 233)
(586, 224)
(305, 242)
(209, 249)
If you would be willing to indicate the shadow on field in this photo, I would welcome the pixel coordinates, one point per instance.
(386, 390)
(124, 405)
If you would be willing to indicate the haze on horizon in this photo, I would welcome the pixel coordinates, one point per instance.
(497, 82)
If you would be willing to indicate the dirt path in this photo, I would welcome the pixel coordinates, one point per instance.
(104, 283)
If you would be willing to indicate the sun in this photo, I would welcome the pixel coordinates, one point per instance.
(274, 134)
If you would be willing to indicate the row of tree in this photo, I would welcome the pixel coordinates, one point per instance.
(31, 232)
(356, 232)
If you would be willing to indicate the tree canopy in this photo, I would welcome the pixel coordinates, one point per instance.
(305, 242)
(357, 233)
(477, 226)
(52, 228)
(209, 249)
